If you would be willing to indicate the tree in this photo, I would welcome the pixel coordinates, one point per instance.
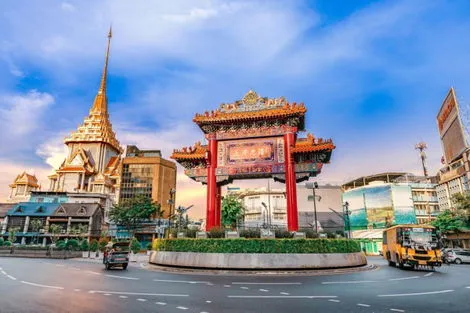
(448, 221)
(35, 225)
(12, 234)
(232, 211)
(54, 231)
(132, 213)
(462, 207)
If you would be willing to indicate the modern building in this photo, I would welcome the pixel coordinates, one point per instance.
(22, 186)
(378, 201)
(454, 176)
(147, 173)
(76, 220)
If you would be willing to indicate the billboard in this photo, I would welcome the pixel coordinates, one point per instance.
(379, 206)
(450, 128)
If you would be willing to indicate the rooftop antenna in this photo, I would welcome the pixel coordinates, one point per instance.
(421, 147)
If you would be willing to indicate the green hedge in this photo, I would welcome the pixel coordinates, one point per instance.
(243, 245)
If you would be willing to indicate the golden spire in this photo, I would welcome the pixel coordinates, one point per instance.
(100, 104)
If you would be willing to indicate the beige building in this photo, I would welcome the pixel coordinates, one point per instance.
(146, 173)
(22, 186)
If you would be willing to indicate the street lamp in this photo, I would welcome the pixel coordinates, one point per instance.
(313, 186)
(347, 212)
(268, 214)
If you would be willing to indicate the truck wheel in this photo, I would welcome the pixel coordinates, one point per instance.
(458, 261)
(124, 266)
(391, 263)
(107, 266)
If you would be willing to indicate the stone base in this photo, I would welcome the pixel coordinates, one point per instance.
(268, 261)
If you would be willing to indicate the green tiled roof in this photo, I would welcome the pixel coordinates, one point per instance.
(33, 209)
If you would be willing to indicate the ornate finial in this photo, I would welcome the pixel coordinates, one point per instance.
(101, 102)
(250, 97)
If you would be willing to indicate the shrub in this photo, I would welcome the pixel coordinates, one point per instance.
(149, 246)
(242, 245)
(60, 245)
(190, 233)
(7, 243)
(135, 245)
(174, 232)
(2, 241)
(72, 244)
(30, 247)
(94, 245)
(216, 232)
(330, 235)
(250, 233)
(84, 246)
(102, 243)
(282, 233)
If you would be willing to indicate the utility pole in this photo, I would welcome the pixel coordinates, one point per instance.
(313, 186)
(421, 147)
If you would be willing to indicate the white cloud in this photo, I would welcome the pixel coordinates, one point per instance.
(53, 151)
(67, 7)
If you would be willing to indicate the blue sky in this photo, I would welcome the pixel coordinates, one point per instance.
(373, 74)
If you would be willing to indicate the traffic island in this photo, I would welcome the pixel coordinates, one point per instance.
(258, 254)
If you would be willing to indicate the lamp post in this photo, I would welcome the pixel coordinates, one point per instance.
(347, 212)
(268, 214)
(313, 186)
(171, 203)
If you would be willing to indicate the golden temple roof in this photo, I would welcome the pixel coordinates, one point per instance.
(96, 126)
(25, 179)
(252, 107)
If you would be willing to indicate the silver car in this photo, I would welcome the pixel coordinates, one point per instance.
(458, 256)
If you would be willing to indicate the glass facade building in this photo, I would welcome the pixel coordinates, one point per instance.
(136, 180)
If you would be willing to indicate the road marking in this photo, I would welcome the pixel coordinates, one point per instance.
(405, 278)
(397, 310)
(77, 290)
(334, 300)
(227, 286)
(428, 274)
(208, 301)
(246, 288)
(122, 277)
(95, 273)
(285, 293)
(60, 265)
(416, 294)
(284, 297)
(364, 305)
(349, 282)
(106, 294)
(182, 281)
(76, 268)
(468, 287)
(160, 303)
(181, 307)
(11, 277)
(4, 273)
(123, 297)
(138, 293)
(43, 286)
(264, 290)
(249, 283)
(141, 300)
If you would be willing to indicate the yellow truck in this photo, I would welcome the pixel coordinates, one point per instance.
(416, 246)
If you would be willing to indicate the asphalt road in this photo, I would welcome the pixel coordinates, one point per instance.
(37, 285)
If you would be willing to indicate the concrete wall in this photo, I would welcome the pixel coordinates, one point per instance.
(257, 260)
(55, 254)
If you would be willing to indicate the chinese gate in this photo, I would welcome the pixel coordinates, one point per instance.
(254, 138)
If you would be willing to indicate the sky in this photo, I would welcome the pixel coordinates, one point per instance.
(373, 75)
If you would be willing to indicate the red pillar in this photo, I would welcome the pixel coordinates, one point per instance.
(218, 207)
(211, 183)
(291, 187)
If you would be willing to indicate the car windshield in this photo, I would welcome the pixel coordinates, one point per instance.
(420, 237)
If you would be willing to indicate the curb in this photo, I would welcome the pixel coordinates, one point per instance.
(337, 271)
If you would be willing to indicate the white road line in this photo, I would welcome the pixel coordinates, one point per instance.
(364, 305)
(122, 277)
(76, 268)
(106, 294)
(123, 297)
(138, 293)
(181, 307)
(405, 278)
(95, 273)
(208, 301)
(11, 277)
(349, 282)
(285, 293)
(43, 286)
(246, 288)
(141, 300)
(160, 303)
(227, 286)
(468, 287)
(77, 290)
(182, 281)
(60, 265)
(4, 273)
(284, 297)
(428, 274)
(264, 290)
(248, 283)
(397, 310)
(334, 300)
(416, 294)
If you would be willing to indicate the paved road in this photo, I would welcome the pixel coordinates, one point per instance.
(36, 285)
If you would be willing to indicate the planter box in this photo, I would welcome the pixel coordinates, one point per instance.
(232, 234)
(252, 261)
(201, 235)
(84, 254)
